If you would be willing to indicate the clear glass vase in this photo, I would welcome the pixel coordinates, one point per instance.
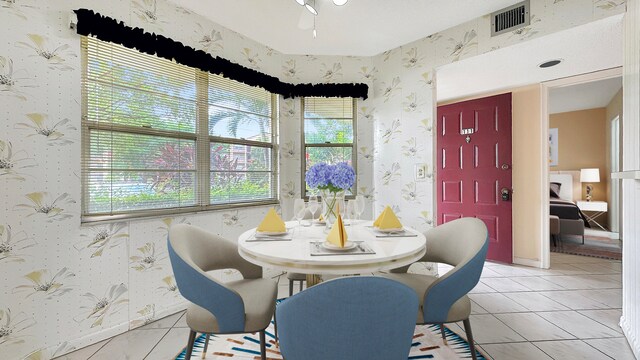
(332, 205)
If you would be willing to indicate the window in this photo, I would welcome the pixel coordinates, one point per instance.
(328, 131)
(160, 137)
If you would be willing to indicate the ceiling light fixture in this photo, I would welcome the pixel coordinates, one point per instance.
(311, 9)
(550, 63)
(315, 33)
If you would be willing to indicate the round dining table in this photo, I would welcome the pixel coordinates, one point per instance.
(292, 252)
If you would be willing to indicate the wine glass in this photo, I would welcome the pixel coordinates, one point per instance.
(299, 209)
(359, 205)
(351, 211)
(314, 205)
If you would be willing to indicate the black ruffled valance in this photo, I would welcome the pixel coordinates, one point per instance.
(108, 29)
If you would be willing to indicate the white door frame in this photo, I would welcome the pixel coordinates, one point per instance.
(544, 107)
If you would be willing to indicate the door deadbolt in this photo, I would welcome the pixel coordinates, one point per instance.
(505, 167)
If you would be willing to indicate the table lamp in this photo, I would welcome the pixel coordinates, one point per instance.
(589, 176)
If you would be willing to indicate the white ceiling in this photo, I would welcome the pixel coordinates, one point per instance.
(590, 95)
(587, 48)
(359, 28)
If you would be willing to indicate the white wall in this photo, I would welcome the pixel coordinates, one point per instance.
(50, 323)
(630, 321)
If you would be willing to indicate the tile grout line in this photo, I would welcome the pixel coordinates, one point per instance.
(605, 325)
(544, 352)
(100, 348)
(157, 343)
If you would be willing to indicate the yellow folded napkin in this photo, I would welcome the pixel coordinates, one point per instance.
(321, 218)
(387, 220)
(272, 223)
(338, 234)
(377, 222)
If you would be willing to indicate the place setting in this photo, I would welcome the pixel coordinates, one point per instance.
(387, 225)
(337, 243)
(272, 228)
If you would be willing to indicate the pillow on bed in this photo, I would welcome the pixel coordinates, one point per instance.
(554, 190)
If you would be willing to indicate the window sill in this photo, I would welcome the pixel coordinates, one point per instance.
(90, 220)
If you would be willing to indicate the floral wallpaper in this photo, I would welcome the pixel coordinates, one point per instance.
(402, 106)
(91, 282)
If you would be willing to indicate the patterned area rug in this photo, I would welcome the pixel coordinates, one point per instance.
(593, 246)
(427, 344)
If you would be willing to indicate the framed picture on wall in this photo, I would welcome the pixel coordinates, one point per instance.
(553, 147)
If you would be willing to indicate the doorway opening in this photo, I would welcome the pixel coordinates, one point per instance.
(584, 114)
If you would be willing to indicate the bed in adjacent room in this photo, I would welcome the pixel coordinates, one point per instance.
(564, 189)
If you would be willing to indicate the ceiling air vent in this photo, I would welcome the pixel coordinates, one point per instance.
(511, 18)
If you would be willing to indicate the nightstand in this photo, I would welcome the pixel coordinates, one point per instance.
(597, 208)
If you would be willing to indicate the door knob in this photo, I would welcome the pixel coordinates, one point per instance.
(505, 194)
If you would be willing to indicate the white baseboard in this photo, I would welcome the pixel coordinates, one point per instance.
(527, 262)
(631, 337)
(90, 339)
(160, 314)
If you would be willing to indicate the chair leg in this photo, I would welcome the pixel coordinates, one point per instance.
(300, 285)
(263, 346)
(192, 340)
(290, 287)
(553, 241)
(444, 335)
(472, 347)
(275, 330)
(582, 239)
(206, 346)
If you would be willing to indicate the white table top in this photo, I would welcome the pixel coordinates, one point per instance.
(295, 255)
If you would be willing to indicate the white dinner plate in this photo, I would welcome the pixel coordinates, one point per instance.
(319, 222)
(272, 233)
(387, 231)
(347, 246)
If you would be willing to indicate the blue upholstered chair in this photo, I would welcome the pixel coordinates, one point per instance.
(240, 306)
(352, 318)
(461, 243)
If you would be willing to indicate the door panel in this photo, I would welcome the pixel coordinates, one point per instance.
(486, 192)
(451, 217)
(452, 192)
(475, 166)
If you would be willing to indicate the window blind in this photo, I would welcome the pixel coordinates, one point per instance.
(164, 137)
(328, 132)
(242, 134)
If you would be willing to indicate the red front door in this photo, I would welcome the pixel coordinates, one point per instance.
(474, 167)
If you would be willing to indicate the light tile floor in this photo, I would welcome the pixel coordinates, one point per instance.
(570, 311)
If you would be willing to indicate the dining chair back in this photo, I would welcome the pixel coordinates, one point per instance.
(463, 244)
(360, 317)
(239, 306)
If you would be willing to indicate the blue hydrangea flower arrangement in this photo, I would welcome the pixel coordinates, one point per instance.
(334, 178)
